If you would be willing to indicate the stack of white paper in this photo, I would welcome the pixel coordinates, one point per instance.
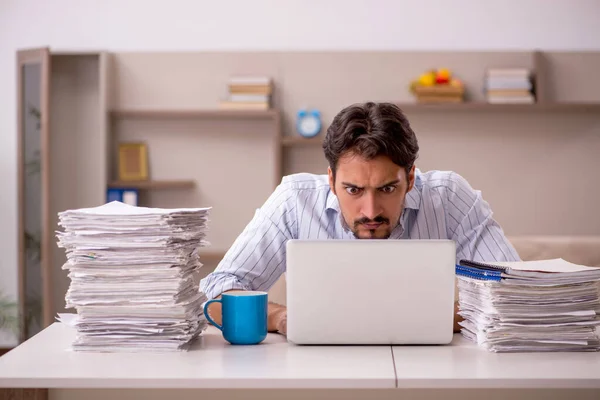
(133, 274)
(549, 305)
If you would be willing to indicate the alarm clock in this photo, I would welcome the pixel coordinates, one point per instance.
(308, 123)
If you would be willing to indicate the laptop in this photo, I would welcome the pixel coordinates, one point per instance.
(380, 292)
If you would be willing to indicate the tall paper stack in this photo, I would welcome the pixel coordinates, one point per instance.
(548, 305)
(133, 274)
(248, 93)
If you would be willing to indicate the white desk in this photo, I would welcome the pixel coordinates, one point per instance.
(464, 365)
(44, 361)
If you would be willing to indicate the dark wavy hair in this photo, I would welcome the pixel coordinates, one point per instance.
(370, 130)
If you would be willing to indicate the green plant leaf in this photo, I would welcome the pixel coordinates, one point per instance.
(9, 315)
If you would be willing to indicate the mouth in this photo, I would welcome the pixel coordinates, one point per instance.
(371, 226)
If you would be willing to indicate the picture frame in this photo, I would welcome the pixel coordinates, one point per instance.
(133, 162)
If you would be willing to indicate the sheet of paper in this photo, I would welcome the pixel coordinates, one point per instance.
(122, 209)
(552, 265)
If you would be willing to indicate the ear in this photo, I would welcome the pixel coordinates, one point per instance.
(331, 182)
(411, 179)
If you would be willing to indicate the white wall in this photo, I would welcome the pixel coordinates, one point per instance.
(265, 25)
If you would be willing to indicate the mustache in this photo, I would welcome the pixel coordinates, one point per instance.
(378, 220)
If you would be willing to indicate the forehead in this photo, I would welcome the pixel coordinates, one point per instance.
(368, 172)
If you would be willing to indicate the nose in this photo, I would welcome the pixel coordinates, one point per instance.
(370, 207)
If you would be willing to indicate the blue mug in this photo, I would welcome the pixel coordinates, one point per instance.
(244, 316)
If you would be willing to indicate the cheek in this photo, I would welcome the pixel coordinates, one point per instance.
(392, 205)
(350, 205)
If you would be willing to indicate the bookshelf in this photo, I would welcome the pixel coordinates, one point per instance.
(466, 107)
(167, 117)
(232, 159)
(290, 141)
(193, 114)
(159, 185)
(501, 108)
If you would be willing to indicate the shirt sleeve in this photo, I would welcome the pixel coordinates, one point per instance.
(478, 236)
(257, 257)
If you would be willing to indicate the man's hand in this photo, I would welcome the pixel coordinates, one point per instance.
(457, 318)
(277, 318)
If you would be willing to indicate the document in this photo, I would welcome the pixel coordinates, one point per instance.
(547, 305)
(133, 273)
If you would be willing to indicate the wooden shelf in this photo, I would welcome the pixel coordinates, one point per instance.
(170, 184)
(194, 114)
(482, 106)
(288, 141)
(297, 141)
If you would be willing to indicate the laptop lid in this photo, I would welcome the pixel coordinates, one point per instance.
(370, 291)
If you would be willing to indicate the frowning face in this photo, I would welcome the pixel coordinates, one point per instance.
(371, 194)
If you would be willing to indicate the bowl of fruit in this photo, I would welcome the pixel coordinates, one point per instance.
(437, 86)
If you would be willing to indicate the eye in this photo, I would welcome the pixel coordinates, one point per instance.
(353, 190)
(388, 189)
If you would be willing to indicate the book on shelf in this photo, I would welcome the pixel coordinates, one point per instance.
(509, 92)
(257, 85)
(509, 72)
(255, 80)
(498, 99)
(260, 90)
(509, 85)
(248, 93)
(127, 196)
(249, 98)
(239, 105)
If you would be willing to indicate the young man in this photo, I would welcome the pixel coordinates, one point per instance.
(372, 191)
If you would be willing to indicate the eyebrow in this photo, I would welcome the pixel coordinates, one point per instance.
(394, 182)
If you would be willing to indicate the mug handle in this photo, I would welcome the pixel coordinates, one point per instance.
(220, 327)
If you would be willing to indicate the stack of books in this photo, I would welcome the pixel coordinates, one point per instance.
(133, 276)
(509, 86)
(541, 306)
(248, 93)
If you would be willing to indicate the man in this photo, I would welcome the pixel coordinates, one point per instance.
(372, 191)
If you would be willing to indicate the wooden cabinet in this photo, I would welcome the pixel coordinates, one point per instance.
(35, 255)
(61, 165)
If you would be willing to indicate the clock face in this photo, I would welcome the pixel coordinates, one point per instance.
(309, 125)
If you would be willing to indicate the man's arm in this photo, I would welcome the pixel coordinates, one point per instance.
(457, 318)
(477, 234)
(257, 257)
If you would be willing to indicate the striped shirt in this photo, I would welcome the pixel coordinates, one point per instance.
(441, 205)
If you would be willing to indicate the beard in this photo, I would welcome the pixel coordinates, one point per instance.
(383, 231)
